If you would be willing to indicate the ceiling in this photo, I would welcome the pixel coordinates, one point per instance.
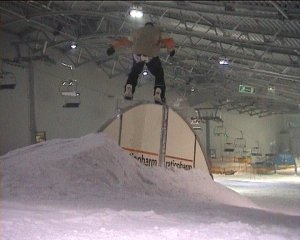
(260, 39)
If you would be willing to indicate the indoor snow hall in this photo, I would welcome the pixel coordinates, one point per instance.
(159, 120)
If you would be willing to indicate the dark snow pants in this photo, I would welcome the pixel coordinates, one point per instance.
(155, 68)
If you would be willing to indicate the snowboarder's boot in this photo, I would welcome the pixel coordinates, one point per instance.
(128, 92)
(157, 96)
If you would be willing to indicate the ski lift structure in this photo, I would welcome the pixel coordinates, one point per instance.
(256, 151)
(229, 150)
(240, 142)
(208, 114)
(240, 145)
(220, 130)
(195, 123)
(205, 115)
(7, 79)
(229, 147)
(256, 154)
(68, 89)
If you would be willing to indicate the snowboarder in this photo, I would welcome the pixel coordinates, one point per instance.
(146, 43)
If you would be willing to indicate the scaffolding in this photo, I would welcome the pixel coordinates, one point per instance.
(71, 96)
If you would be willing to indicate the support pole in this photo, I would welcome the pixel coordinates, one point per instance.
(194, 157)
(207, 138)
(31, 106)
(120, 129)
(163, 136)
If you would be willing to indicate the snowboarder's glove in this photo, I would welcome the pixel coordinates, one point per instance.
(110, 50)
(172, 53)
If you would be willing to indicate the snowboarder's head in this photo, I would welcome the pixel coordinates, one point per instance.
(149, 24)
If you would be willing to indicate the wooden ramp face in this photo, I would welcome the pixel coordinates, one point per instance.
(156, 135)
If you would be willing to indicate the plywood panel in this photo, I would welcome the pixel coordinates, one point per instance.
(140, 135)
(180, 142)
(141, 128)
(200, 159)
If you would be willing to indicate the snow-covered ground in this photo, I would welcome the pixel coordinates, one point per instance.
(89, 188)
(277, 192)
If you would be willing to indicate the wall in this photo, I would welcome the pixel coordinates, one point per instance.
(98, 96)
(14, 104)
(14, 113)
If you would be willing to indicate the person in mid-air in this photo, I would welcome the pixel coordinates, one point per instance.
(146, 43)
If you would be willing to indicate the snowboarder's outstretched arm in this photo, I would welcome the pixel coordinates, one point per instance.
(169, 43)
(119, 43)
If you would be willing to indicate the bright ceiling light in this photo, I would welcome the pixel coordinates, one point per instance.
(145, 73)
(223, 61)
(136, 13)
(73, 45)
(271, 88)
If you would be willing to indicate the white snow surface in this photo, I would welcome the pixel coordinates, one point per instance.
(90, 188)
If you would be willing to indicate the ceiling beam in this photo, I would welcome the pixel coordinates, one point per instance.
(240, 56)
(37, 24)
(192, 7)
(262, 46)
(231, 26)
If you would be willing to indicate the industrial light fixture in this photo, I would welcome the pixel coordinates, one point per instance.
(145, 73)
(73, 45)
(136, 12)
(223, 61)
(271, 88)
(67, 65)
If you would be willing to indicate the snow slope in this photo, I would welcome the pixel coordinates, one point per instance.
(89, 188)
(94, 165)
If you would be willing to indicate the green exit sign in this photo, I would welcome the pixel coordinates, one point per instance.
(246, 89)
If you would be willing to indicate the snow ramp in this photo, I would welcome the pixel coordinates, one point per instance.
(156, 135)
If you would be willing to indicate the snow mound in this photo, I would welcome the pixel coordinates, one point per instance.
(94, 166)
